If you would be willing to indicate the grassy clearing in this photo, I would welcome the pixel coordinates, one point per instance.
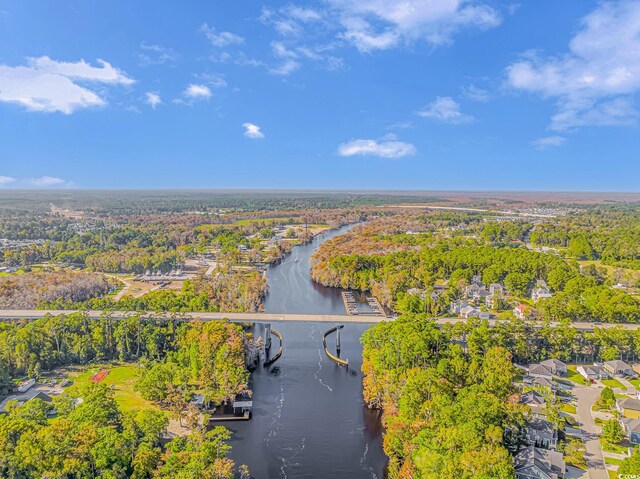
(4, 273)
(568, 408)
(612, 474)
(122, 377)
(614, 448)
(575, 377)
(635, 382)
(612, 383)
(612, 460)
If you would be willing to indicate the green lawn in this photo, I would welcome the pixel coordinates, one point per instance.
(575, 377)
(568, 408)
(612, 383)
(122, 376)
(612, 474)
(615, 448)
(635, 382)
(612, 460)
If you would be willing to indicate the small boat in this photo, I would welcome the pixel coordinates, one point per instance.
(296, 259)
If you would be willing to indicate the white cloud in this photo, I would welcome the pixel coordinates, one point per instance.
(221, 39)
(252, 131)
(6, 180)
(153, 99)
(548, 142)
(47, 182)
(445, 109)
(197, 92)
(387, 147)
(381, 24)
(593, 83)
(476, 94)
(49, 85)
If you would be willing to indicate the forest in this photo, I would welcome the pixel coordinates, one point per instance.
(94, 437)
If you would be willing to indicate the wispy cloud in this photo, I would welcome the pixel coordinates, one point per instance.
(221, 39)
(594, 82)
(153, 99)
(387, 147)
(548, 142)
(252, 131)
(49, 85)
(378, 25)
(6, 180)
(47, 182)
(475, 93)
(445, 109)
(152, 54)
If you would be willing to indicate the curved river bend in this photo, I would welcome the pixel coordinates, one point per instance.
(309, 421)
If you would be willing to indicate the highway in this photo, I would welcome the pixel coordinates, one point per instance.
(239, 317)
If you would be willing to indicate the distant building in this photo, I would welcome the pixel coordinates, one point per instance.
(534, 463)
(496, 288)
(541, 433)
(538, 370)
(456, 306)
(631, 429)
(535, 401)
(619, 368)
(469, 312)
(557, 367)
(592, 373)
(629, 408)
(522, 311)
(540, 293)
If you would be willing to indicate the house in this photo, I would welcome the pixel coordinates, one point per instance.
(631, 428)
(557, 367)
(456, 306)
(629, 408)
(534, 463)
(496, 288)
(540, 293)
(485, 315)
(535, 401)
(476, 292)
(469, 312)
(522, 311)
(43, 397)
(541, 433)
(539, 371)
(619, 368)
(591, 373)
(539, 383)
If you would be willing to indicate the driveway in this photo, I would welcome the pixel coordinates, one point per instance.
(586, 397)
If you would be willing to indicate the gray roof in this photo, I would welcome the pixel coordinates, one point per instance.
(632, 425)
(532, 397)
(556, 363)
(550, 462)
(539, 369)
(617, 364)
(628, 403)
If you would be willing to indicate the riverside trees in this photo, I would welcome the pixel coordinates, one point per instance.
(445, 411)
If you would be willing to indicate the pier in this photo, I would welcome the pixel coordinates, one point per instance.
(336, 359)
(269, 361)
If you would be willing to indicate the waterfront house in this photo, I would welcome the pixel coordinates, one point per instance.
(534, 463)
(619, 368)
(557, 367)
(629, 408)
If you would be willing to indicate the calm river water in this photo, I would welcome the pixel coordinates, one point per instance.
(309, 421)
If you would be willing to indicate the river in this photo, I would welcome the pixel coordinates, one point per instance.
(309, 421)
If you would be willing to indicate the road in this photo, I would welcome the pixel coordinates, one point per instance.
(330, 318)
(586, 397)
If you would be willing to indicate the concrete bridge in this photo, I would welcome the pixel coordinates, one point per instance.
(266, 317)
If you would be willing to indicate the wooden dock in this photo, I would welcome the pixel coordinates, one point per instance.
(350, 303)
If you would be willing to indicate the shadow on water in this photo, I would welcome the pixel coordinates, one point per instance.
(309, 420)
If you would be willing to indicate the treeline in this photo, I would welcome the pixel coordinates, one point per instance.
(238, 292)
(612, 236)
(26, 291)
(446, 412)
(579, 296)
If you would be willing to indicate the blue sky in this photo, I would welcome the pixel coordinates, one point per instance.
(348, 94)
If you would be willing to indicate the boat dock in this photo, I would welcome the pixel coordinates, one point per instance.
(350, 303)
